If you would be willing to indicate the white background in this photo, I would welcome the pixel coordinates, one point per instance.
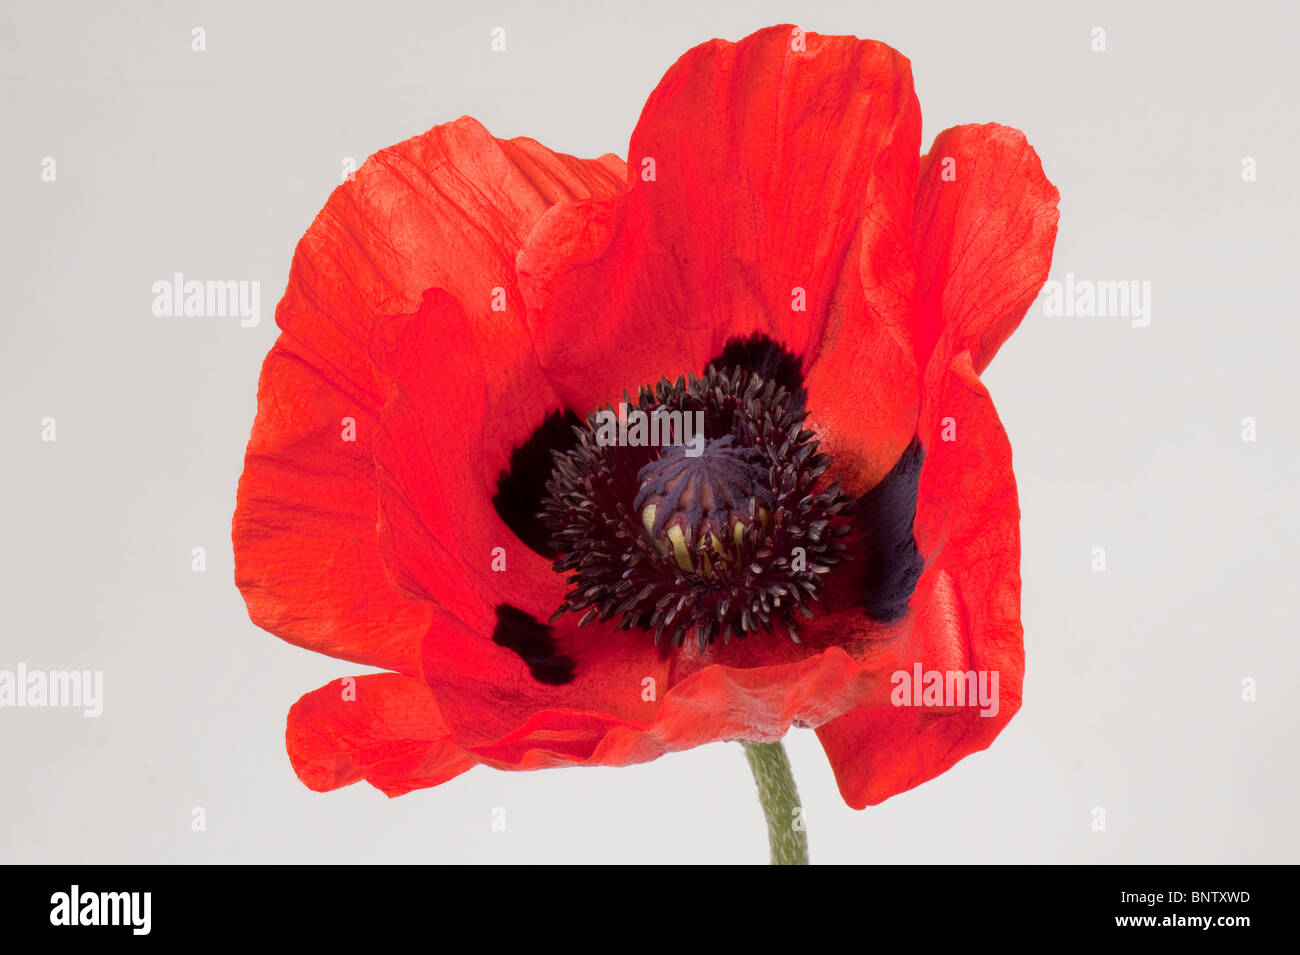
(1128, 438)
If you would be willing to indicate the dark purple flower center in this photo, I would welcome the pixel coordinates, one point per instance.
(719, 533)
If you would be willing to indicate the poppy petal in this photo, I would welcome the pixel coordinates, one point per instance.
(712, 704)
(643, 707)
(383, 728)
(449, 208)
(749, 175)
(629, 703)
(491, 689)
(864, 387)
(966, 610)
(304, 525)
(443, 539)
(984, 227)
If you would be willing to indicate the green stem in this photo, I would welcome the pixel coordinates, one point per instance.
(780, 800)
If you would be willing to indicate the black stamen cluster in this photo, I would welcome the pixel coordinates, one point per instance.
(618, 569)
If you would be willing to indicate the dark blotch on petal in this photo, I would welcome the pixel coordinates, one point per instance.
(891, 563)
(765, 358)
(522, 488)
(522, 633)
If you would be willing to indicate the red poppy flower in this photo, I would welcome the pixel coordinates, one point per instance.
(425, 490)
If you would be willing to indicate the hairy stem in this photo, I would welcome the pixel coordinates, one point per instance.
(780, 800)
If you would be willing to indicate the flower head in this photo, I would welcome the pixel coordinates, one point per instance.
(643, 456)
